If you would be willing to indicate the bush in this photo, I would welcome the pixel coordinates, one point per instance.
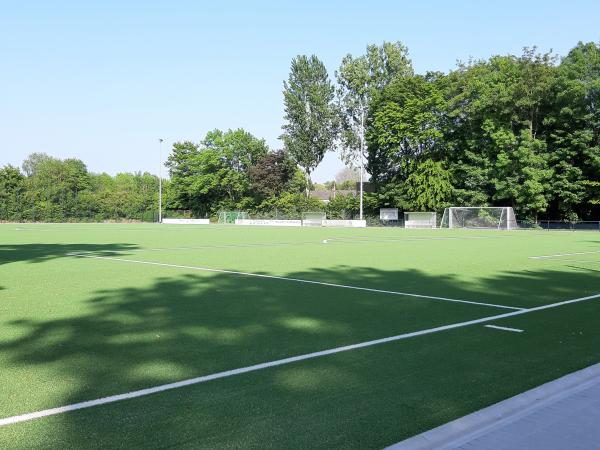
(290, 205)
(343, 207)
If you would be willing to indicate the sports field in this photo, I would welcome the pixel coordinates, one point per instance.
(258, 337)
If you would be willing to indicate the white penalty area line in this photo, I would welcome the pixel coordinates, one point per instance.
(559, 255)
(370, 239)
(279, 362)
(496, 327)
(220, 246)
(580, 261)
(206, 247)
(296, 280)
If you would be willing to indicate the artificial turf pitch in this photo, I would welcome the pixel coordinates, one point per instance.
(84, 316)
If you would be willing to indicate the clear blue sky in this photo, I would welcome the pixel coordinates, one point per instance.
(101, 81)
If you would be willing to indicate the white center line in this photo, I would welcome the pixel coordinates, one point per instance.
(296, 280)
(496, 327)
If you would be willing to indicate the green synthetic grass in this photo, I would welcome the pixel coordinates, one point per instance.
(75, 329)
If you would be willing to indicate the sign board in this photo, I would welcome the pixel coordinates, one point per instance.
(186, 221)
(269, 222)
(388, 214)
(345, 223)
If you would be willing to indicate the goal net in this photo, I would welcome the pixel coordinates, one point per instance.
(231, 216)
(313, 219)
(419, 220)
(500, 218)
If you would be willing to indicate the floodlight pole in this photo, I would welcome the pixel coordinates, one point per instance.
(361, 188)
(362, 152)
(160, 141)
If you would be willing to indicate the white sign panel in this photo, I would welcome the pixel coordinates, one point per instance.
(345, 223)
(186, 221)
(269, 222)
(388, 214)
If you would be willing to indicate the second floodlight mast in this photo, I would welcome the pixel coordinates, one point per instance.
(160, 141)
(362, 150)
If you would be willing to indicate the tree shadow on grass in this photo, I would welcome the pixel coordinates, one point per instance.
(37, 253)
(186, 325)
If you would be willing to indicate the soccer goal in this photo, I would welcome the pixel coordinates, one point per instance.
(313, 219)
(500, 218)
(231, 216)
(419, 220)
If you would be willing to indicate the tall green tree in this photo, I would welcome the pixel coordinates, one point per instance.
(33, 162)
(215, 173)
(11, 190)
(359, 80)
(310, 113)
(496, 130)
(54, 187)
(428, 187)
(574, 136)
(521, 172)
(405, 127)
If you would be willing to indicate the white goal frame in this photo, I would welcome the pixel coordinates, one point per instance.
(480, 217)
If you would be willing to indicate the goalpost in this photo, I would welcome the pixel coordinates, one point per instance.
(419, 220)
(231, 216)
(490, 217)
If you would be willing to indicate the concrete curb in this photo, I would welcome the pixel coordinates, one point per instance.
(467, 428)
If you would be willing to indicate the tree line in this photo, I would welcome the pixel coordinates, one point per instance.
(511, 130)
(520, 131)
(53, 190)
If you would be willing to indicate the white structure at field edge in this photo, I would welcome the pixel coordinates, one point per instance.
(486, 217)
(420, 220)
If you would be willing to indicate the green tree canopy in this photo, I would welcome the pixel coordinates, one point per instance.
(428, 187)
(215, 173)
(310, 114)
(359, 81)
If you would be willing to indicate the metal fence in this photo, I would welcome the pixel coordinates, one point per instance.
(584, 225)
(549, 225)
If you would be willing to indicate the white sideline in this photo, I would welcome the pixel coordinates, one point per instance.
(228, 373)
(208, 247)
(496, 327)
(563, 254)
(366, 240)
(587, 261)
(296, 280)
(347, 240)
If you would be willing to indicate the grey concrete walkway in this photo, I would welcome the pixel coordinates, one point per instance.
(563, 414)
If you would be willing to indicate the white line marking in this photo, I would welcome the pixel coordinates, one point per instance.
(581, 261)
(496, 327)
(208, 247)
(340, 240)
(279, 362)
(563, 254)
(585, 261)
(296, 280)
(366, 240)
